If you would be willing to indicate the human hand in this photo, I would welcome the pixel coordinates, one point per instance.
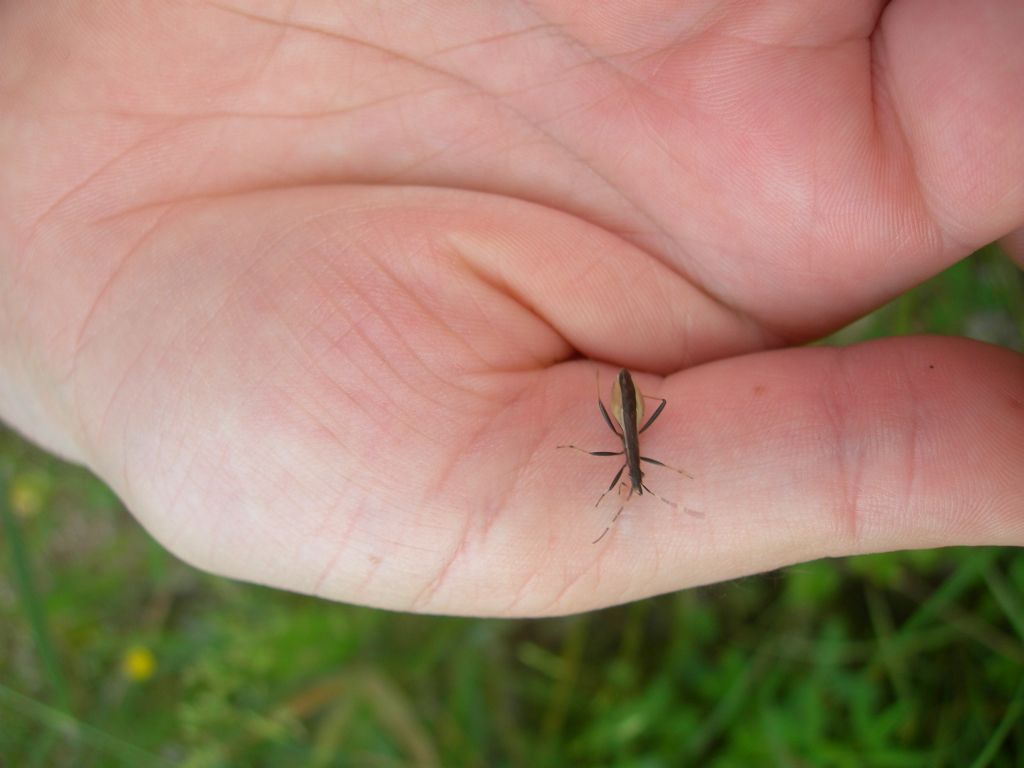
(303, 283)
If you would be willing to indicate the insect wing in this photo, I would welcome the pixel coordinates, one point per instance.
(625, 379)
(617, 402)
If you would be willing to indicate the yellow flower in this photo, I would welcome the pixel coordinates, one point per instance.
(27, 493)
(138, 663)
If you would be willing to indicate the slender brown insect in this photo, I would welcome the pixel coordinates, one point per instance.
(628, 409)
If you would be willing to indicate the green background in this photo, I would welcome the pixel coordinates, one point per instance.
(902, 659)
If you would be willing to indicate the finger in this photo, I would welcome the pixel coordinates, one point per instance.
(606, 298)
(1013, 245)
(796, 455)
(961, 117)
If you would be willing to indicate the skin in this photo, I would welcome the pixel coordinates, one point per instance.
(314, 287)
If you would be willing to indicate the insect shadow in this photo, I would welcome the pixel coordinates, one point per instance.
(628, 409)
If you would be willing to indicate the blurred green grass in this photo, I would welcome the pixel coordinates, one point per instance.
(115, 654)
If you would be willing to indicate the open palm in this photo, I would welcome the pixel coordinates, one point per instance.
(311, 285)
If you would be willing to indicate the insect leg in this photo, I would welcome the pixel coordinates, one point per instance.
(600, 404)
(614, 483)
(591, 453)
(607, 419)
(656, 414)
(682, 472)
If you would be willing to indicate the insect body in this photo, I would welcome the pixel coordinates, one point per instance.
(628, 410)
